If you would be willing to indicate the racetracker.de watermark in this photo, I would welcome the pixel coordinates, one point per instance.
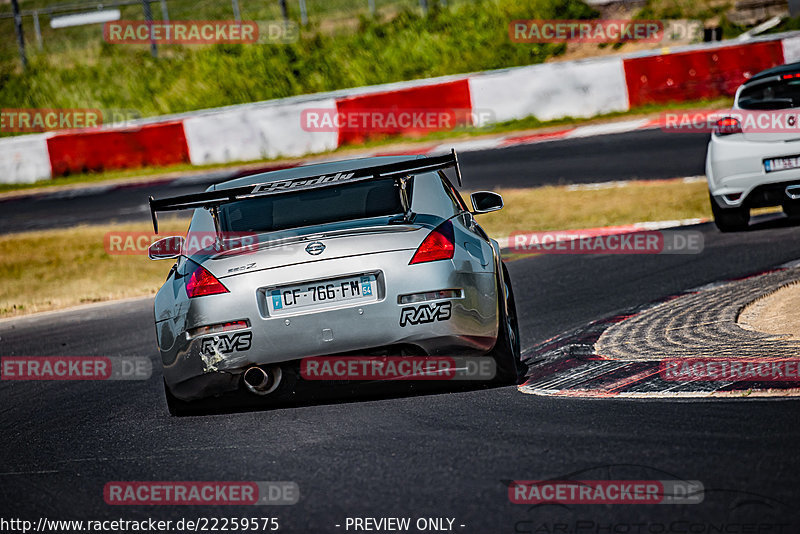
(618, 242)
(28, 120)
(192, 32)
(606, 491)
(46, 119)
(194, 244)
(398, 368)
(730, 370)
(726, 122)
(75, 368)
(390, 120)
(585, 31)
(190, 493)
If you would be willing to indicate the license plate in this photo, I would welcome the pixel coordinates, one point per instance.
(321, 294)
(781, 164)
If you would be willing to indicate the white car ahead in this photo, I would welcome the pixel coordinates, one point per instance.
(753, 157)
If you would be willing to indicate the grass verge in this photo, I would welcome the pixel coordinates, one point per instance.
(558, 208)
(53, 269)
(465, 37)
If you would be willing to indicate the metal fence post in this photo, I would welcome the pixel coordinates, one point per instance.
(148, 17)
(303, 13)
(164, 11)
(37, 30)
(236, 15)
(284, 10)
(20, 34)
(371, 7)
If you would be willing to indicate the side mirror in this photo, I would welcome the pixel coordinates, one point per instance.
(166, 248)
(485, 201)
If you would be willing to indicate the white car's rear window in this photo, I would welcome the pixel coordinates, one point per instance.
(775, 94)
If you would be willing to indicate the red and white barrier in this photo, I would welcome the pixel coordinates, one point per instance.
(24, 159)
(273, 129)
(451, 96)
(247, 132)
(791, 49)
(552, 90)
(697, 74)
(99, 150)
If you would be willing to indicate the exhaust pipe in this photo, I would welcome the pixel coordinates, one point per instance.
(793, 192)
(262, 381)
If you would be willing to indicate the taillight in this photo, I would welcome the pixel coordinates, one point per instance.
(438, 245)
(203, 283)
(728, 126)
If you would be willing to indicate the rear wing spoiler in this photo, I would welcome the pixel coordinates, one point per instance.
(213, 199)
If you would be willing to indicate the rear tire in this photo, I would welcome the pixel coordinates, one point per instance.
(506, 352)
(730, 219)
(175, 406)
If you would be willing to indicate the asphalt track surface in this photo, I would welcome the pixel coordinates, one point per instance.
(436, 454)
(645, 154)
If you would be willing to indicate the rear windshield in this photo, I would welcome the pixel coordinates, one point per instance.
(373, 198)
(781, 94)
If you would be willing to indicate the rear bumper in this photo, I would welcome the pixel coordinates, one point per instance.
(736, 175)
(470, 328)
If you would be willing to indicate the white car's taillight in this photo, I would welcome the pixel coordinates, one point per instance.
(728, 126)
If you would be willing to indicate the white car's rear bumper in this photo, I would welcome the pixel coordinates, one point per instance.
(736, 174)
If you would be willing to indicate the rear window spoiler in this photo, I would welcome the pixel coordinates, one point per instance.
(213, 199)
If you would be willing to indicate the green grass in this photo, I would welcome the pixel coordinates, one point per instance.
(330, 14)
(789, 24)
(90, 73)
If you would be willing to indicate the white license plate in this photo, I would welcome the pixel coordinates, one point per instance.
(781, 164)
(322, 294)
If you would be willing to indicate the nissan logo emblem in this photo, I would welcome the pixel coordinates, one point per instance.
(315, 248)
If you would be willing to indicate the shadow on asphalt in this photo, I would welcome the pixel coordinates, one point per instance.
(771, 221)
(299, 393)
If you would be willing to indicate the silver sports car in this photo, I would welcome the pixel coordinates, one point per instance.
(377, 256)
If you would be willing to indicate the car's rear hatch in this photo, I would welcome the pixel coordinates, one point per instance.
(770, 109)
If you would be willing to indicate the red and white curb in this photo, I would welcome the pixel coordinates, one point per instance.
(673, 348)
(590, 130)
(505, 141)
(615, 184)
